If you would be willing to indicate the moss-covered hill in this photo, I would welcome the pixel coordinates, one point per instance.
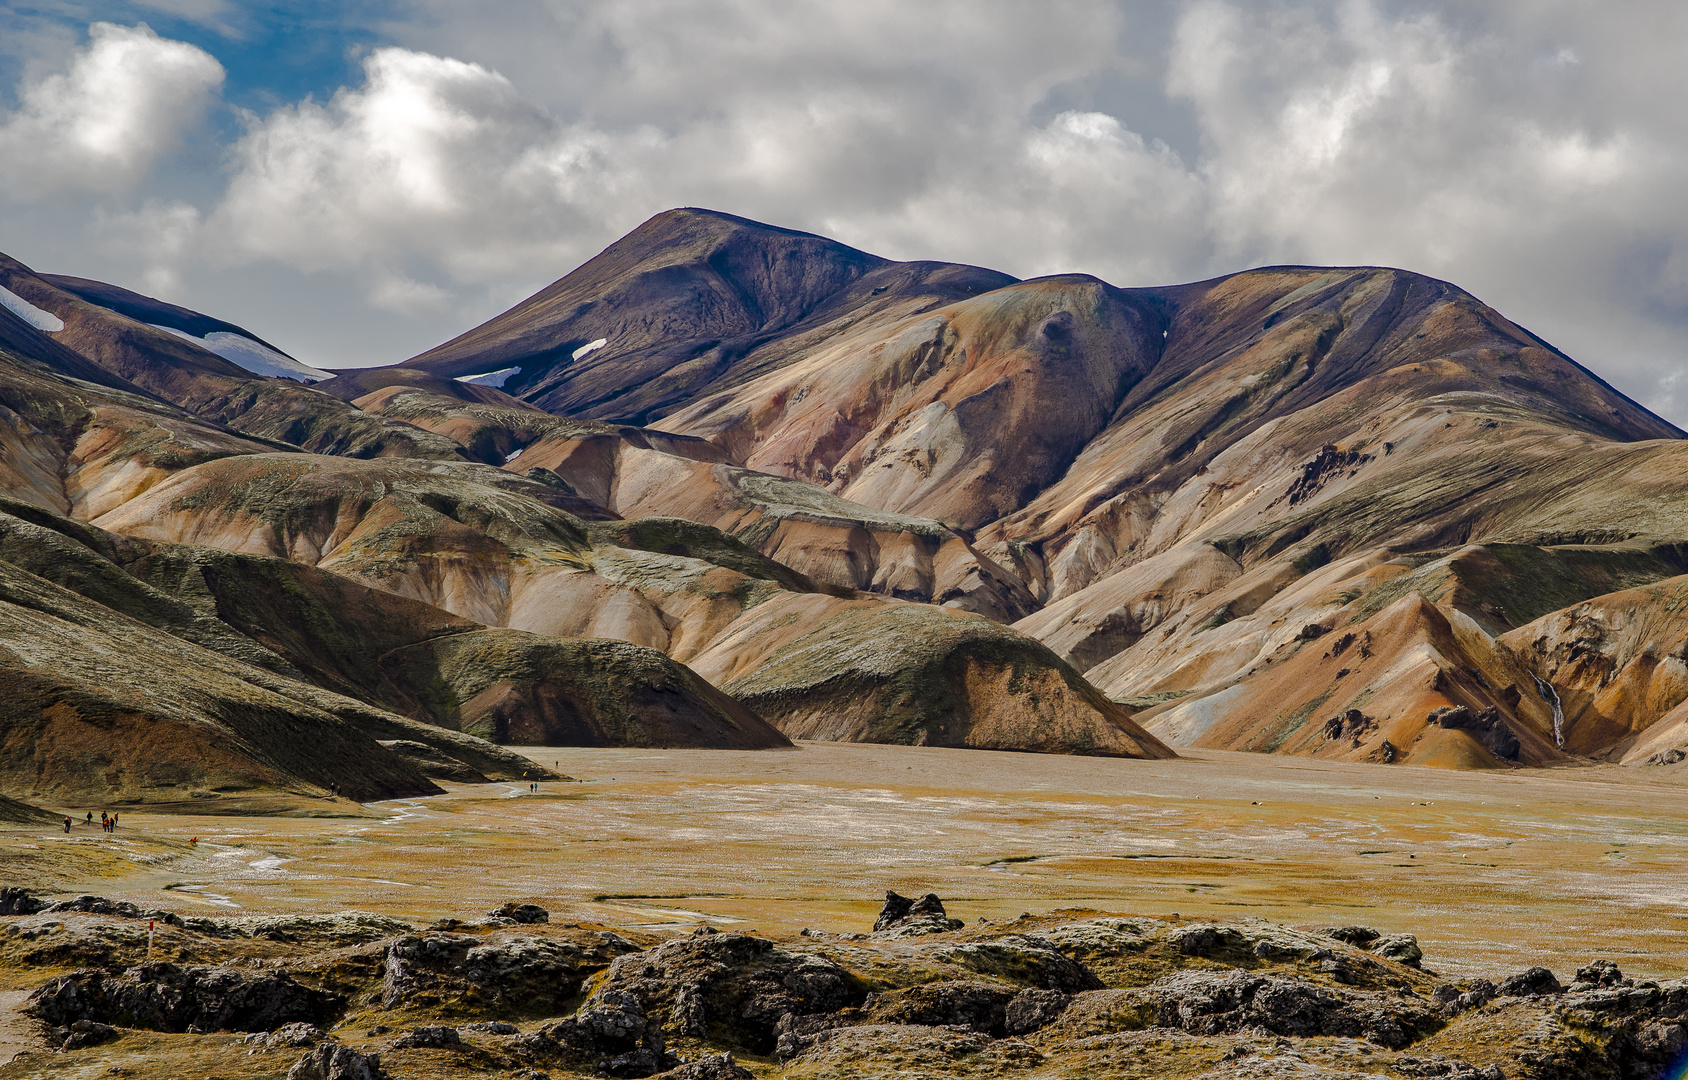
(910, 673)
(383, 662)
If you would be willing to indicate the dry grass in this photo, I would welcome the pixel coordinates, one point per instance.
(1492, 871)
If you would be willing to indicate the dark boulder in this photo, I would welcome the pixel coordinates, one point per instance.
(977, 1006)
(609, 1035)
(508, 973)
(1602, 973)
(730, 988)
(84, 1033)
(1532, 982)
(714, 1067)
(429, 1038)
(907, 917)
(15, 901)
(520, 913)
(1401, 948)
(1212, 1003)
(167, 997)
(331, 1061)
(1033, 1009)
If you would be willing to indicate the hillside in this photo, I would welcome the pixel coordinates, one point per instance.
(1340, 512)
(1164, 485)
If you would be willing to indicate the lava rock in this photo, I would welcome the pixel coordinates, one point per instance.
(1024, 959)
(515, 972)
(15, 901)
(1204, 940)
(734, 988)
(1033, 1009)
(290, 1035)
(1602, 973)
(520, 913)
(1401, 948)
(168, 997)
(99, 905)
(610, 1034)
(429, 1038)
(1486, 726)
(976, 1006)
(85, 1033)
(1359, 936)
(1211, 1003)
(715, 1067)
(331, 1061)
(1533, 982)
(904, 917)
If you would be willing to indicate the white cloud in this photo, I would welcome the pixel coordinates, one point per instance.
(127, 99)
(430, 159)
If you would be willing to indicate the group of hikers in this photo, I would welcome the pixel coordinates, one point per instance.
(108, 822)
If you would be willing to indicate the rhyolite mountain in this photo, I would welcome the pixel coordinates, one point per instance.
(197, 605)
(1203, 488)
(1340, 512)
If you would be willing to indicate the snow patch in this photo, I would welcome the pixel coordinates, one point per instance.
(29, 313)
(514, 454)
(257, 358)
(590, 346)
(494, 379)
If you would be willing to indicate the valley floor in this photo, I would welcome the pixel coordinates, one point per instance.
(1491, 871)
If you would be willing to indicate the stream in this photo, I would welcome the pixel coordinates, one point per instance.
(1551, 696)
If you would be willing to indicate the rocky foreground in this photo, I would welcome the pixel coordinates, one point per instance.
(116, 990)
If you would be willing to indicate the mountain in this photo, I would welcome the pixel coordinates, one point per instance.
(252, 632)
(1179, 490)
(177, 355)
(685, 297)
(1346, 512)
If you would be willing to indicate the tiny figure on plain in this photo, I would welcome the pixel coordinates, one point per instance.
(90, 817)
(66, 824)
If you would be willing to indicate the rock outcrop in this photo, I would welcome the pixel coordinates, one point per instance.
(1067, 993)
(166, 997)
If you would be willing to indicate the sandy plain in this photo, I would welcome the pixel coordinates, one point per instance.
(1492, 871)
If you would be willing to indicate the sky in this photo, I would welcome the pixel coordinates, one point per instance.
(358, 181)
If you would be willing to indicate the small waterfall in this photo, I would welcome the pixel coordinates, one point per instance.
(1551, 696)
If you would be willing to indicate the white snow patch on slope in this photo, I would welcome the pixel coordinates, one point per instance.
(590, 346)
(494, 379)
(254, 357)
(29, 313)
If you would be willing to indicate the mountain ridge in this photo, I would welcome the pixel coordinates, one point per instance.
(1239, 512)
